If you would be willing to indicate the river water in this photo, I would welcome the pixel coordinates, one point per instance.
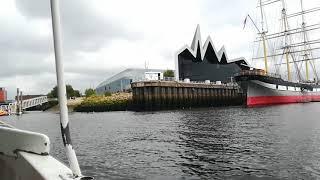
(278, 142)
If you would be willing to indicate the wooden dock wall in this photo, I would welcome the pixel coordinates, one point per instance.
(157, 95)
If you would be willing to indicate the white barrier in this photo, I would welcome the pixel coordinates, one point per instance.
(28, 103)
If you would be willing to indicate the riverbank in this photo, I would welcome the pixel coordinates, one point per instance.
(71, 103)
(114, 102)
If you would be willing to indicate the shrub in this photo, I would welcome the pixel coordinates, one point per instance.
(112, 102)
(107, 94)
(90, 92)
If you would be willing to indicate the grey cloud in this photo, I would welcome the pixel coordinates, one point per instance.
(34, 8)
(83, 28)
(226, 12)
(23, 51)
(23, 63)
(13, 41)
(94, 71)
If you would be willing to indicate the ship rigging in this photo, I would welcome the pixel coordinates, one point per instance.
(289, 46)
(289, 74)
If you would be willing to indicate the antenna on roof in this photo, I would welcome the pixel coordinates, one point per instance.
(146, 65)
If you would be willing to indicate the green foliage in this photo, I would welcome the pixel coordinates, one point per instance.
(90, 92)
(70, 92)
(53, 93)
(107, 94)
(168, 73)
(77, 93)
(52, 103)
(115, 102)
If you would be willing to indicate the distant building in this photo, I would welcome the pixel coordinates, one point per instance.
(122, 81)
(151, 76)
(203, 62)
(3, 95)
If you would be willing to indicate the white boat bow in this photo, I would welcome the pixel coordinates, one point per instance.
(26, 155)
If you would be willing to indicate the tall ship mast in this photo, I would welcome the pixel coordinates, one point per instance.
(287, 70)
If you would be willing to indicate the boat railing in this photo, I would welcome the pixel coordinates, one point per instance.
(3, 124)
(258, 72)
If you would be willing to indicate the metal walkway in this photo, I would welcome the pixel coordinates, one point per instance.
(12, 108)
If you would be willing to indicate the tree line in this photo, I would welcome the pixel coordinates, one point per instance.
(71, 92)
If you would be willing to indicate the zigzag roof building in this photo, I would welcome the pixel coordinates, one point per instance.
(200, 63)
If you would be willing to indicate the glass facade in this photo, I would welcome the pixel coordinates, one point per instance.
(122, 81)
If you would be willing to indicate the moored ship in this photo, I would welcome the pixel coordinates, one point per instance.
(265, 88)
(262, 89)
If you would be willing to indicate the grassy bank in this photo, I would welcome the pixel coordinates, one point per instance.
(71, 103)
(115, 102)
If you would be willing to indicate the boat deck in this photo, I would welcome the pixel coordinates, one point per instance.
(2, 124)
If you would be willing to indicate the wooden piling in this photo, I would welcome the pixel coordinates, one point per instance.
(156, 95)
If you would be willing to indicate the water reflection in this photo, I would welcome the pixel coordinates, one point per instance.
(221, 143)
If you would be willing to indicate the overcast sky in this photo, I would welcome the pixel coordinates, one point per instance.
(103, 37)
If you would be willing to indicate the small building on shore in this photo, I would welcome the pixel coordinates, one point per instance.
(122, 81)
(3, 95)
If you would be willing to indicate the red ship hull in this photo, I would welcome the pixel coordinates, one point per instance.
(271, 100)
(263, 90)
(260, 93)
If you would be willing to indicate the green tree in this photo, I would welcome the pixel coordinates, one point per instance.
(89, 92)
(77, 93)
(70, 92)
(168, 73)
(53, 93)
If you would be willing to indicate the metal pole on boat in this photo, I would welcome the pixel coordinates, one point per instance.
(62, 95)
(17, 102)
(20, 107)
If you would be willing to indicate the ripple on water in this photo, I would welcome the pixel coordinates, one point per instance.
(221, 143)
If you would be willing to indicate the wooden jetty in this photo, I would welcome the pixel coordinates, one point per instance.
(157, 95)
